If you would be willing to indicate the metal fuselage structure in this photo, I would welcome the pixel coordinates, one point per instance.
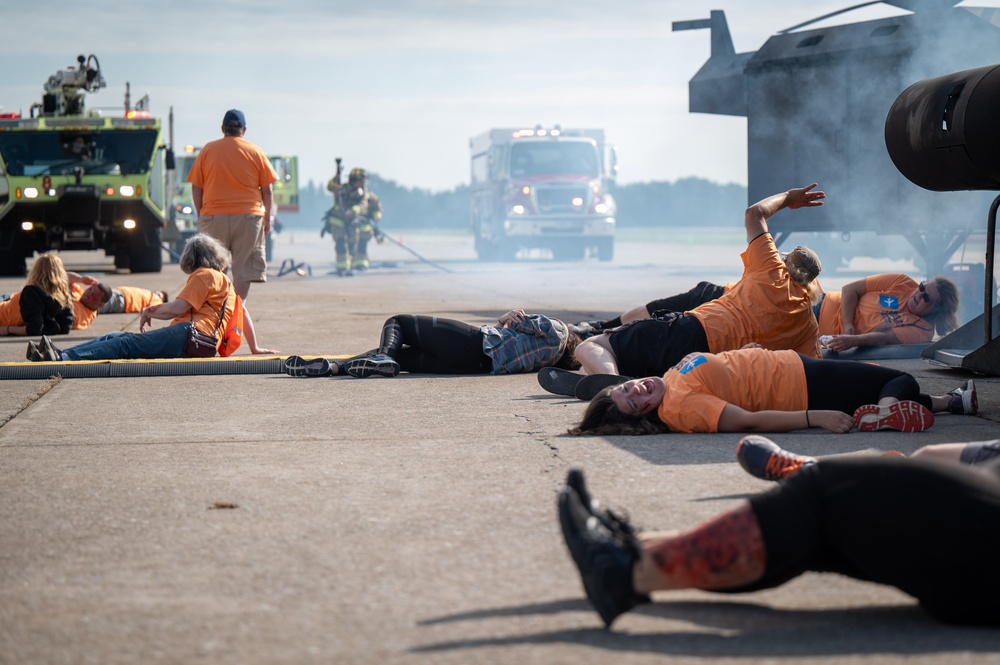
(72, 179)
(816, 102)
(543, 188)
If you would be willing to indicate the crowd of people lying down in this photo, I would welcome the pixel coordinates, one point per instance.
(740, 357)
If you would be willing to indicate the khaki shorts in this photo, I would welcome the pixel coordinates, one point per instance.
(243, 236)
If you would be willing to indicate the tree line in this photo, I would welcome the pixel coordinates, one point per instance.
(686, 202)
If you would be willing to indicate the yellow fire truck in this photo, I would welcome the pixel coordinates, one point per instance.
(77, 179)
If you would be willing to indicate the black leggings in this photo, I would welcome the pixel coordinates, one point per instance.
(926, 528)
(844, 385)
(684, 302)
(433, 345)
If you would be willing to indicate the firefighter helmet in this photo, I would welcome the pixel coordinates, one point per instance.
(357, 175)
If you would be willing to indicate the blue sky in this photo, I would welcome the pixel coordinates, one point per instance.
(399, 86)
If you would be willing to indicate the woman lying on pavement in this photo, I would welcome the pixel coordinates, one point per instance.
(757, 390)
(206, 292)
(770, 305)
(879, 519)
(434, 345)
(43, 305)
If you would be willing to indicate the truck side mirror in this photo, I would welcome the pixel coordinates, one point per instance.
(169, 159)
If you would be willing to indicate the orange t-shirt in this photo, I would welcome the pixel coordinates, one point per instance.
(82, 316)
(205, 291)
(231, 172)
(766, 306)
(883, 306)
(136, 298)
(700, 386)
(10, 311)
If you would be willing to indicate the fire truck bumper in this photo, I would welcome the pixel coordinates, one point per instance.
(569, 227)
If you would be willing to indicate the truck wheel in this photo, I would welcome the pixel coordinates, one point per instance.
(12, 263)
(144, 256)
(492, 251)
(508, 250)
(606, 249)
(12, 260)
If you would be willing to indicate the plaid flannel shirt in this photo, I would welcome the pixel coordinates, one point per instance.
(536, 342)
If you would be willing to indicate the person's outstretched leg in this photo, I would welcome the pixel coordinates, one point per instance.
(726, 551)
(618, 570)
(436, 345)
(392, 338)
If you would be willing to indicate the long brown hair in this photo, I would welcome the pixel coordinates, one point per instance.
(568, 358)
(603, 417)
(944, 315)
(48, 274)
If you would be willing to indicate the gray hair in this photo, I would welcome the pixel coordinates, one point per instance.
(204, 251)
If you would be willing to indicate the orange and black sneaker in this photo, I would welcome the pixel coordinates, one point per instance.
(762, 458)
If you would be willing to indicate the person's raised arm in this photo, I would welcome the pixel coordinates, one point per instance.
(77, 278)
(756, 216)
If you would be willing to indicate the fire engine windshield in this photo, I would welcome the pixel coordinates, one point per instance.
(60, 153)
(565, 158)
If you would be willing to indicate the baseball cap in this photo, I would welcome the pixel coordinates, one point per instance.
(235, 118)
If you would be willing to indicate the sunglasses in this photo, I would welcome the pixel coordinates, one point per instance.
(923, 291)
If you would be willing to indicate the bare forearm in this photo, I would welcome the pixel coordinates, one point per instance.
(596, 359)
(197, 196)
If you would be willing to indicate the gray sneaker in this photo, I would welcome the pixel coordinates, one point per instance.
(374, 365)
(964, 400)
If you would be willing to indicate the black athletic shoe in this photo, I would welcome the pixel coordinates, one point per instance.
(373, 365)
(764, 459)
(617, 524)
(299, 366)
(559, 381)
(34, 354)
(590, 385)
(49, 351)
(605, 563)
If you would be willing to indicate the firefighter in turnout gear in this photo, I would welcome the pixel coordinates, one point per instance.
(353, 220)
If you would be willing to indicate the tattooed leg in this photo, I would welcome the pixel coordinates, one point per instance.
(726, 551)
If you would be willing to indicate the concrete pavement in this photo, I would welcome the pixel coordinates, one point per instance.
(265, 519)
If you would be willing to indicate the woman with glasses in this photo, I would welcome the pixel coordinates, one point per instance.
(887, 309)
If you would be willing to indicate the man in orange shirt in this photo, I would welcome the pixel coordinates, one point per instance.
(231, 189)
(771, 305)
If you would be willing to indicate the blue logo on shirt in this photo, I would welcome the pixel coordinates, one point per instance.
(690, 363)
(887, 301)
